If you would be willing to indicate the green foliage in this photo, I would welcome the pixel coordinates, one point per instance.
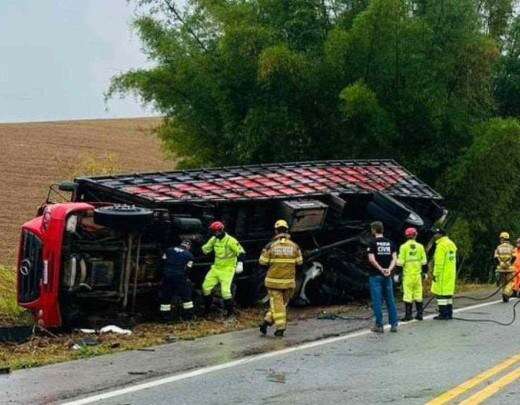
(507, 79)
(243, 81)
(484, 188)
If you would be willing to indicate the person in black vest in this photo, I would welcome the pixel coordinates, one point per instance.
(383, 258)
(178, 261)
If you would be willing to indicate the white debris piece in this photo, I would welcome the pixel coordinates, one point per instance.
(115, 329)
(87, 330)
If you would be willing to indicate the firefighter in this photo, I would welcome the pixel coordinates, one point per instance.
(282, 256)
(444, 274)
(505, 255)
(412, 258)
(178, 261)
(228, 260)
(516, 284)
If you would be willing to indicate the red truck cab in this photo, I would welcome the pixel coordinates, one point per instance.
(40, 261)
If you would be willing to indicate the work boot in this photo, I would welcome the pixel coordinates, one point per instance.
(505, 298)
(263, 327)
(279, 332)
(442, 313)
(188, 315)
(208, 301)
(377, 329)
(408, 312)
(449, 311)
(229, 306)
(419, 308)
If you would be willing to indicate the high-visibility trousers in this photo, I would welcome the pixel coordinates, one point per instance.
(516, 285)
(507, 281)
(412, 287)
(277, 314)
(222, 276)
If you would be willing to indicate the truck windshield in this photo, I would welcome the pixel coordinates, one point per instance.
(30, 268)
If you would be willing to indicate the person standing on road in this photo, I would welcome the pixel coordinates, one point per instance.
(228, 261)
(178, 261)
(412, 258)
(505, 255)
(382, 257)
(282, 256)
(516, 284)
(444, 274)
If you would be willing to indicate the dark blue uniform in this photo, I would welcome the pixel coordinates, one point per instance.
(177, 262)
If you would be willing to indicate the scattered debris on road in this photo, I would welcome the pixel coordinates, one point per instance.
(115, 329)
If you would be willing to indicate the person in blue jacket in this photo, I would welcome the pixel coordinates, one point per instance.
(177, 262)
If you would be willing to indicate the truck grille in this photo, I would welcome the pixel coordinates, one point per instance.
(30, 268)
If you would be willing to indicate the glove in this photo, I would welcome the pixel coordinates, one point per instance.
(396, 278)
(240, 268)
(425, 276)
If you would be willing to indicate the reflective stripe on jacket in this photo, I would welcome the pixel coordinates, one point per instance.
(444, 267)
(505, 253)
(226, 252)
(282, 256)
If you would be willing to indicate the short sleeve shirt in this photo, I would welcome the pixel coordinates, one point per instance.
(382, 248)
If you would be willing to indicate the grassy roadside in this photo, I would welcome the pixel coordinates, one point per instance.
(10, 312)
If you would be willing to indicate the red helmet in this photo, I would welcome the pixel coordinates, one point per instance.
(216, 226)
(410, 232)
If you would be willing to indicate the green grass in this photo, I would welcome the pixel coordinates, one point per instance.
(10, 312)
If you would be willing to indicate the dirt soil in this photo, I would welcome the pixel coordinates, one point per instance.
(34, 155)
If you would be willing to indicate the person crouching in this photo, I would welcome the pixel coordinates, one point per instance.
(178, 261)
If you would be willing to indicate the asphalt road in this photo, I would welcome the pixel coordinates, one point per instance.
(421, 362)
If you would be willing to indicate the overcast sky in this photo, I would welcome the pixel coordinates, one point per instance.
(57, 58)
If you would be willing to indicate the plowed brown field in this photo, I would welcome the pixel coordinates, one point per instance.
(34, 155)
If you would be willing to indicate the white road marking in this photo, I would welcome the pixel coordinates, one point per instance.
(246, 360)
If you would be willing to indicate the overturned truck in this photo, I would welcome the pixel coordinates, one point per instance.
(100, 254)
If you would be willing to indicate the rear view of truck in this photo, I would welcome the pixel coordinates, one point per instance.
(99, 255)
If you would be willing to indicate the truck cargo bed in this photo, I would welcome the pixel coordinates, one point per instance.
(261, 182)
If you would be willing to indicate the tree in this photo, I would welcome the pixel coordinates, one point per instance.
(507, 77)
(484, 190)
(243, 81)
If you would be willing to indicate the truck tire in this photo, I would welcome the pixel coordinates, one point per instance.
(126, 218)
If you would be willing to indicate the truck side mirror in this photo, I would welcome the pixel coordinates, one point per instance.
(68, 186)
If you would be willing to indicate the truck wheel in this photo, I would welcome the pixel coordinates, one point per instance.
(127, 218)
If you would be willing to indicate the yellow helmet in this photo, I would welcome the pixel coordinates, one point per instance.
(504, 235)
(281, 223)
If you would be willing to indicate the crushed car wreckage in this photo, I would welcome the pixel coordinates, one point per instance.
(100, 253)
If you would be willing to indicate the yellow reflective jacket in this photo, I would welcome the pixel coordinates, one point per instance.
(226, 251)
(444, 267)
(412, 257)
(282, 256)
(505, 253)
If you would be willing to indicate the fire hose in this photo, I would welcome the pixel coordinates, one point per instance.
(316, 252)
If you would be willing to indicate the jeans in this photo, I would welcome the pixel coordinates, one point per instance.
(382, 288)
